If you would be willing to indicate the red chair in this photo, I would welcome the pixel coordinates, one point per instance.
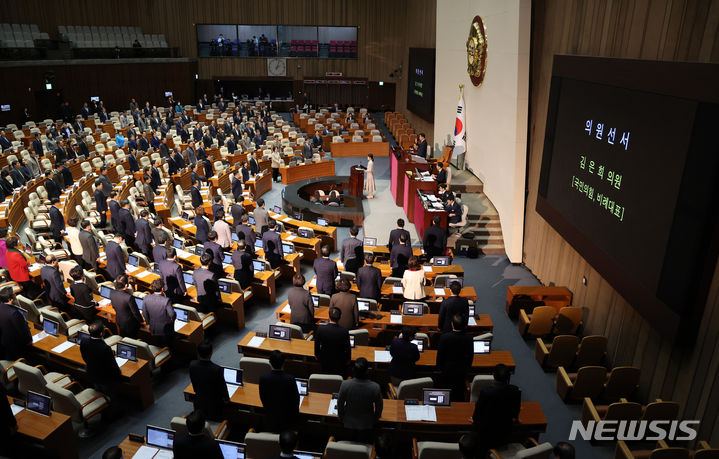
(293, 49)
(333, 43)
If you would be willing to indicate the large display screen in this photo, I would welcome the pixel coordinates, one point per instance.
(420, 82)
(629, 178)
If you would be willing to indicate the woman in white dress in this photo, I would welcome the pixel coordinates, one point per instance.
(369, 176)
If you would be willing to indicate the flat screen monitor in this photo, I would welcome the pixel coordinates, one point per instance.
(159, 437)
(224, 287)
(5, 107)
(168, 93)
(156, 268)
(363, 305)
(302, 385)
(178, 243)
(277, 209)
(482, 347)
(436, 397)
(181, 314)
(231, 450)
(105, 291)
(316, 300)
(441, 261)
(199, 250)
(82, 336)
(95, 98)
(235, 237)
(133, 260)
(322, 222)
(127, 351)
(471, 310)
(232, 375)
(279, 332)
(251, 220)
(258, 266)
(258, 244)
(305, 232)
(288, 249)
(412, 309)
(419, 343)
(307, 455)
(187, 278)
(185, 216)
(139, 302)
(38, 403)
(370, 242)
(50, 327)
(297, 215)
(227, 258)
(352, 341)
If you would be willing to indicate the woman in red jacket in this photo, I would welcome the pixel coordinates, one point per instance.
(19, 269)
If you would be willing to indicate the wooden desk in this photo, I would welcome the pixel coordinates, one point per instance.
(328, 234)
(555, 296)
(382, 251)
(54, 432)
(423, 215)
(260, 184)
(292, 174)
(411, 186)
(302, 353)
(359, 149)
(398, 168)
(137, 377)
(386, 269)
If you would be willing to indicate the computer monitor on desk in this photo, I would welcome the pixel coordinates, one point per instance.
(231, 450)
(159, 437)
(370, 242)
(258, 266)
(436, 397)
(38, 403)
(322, 222)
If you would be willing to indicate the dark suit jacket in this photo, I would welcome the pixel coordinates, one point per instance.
(52, 189)
(114, 213)
(18, 179)
(455, 209)
(242, 262)
(90, 251)
(449, 307)
(280, 399)
(210, 389)
(454, 359)
(115, 259)
(171, 274)
(326, 271)
(53, 284)
(203, 228)
(369, 282)
(134, 167)
(399, 256)
(272, 245)
(422, 149)
(349, 249)
(57, 222)
(435, 240)
(245, 174)
(236, 210)
(236, 189)
(187, 446)
(394, 237)
(347, 303)
(301, 306)
(404, 355)
(196, 197)
(159, 315)
(126, 222)
(15, 335)
(442, 176)
(100, 200)
(159, 253)
(37, 147)
(84, 302)
(332, 348)
(216, 250)
(497, 407)
(144, 234)
(155, 180)
(128, 317)
(100, 361)
(254, 166)
(248, 233)
(205, 283)
(143, 144)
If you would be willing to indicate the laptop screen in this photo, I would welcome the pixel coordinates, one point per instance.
(419, 343)
(258, 244)
(322, 222)
(224, 287)
(251, 220)
(258, 266)
(127, 351)
(441, 261)
(231, 450)
(199, 250)
(370, 241)
(50, 327)
(471, 310)
(307, 455)
(316, 300)
(288, 249)
(279, 332)
(132, 260)
(105, 291)
(302, 385)
(436, 397)
(235, 237)
(227, 258)
(482, 347)
(298, 215)
(82, 336)
(178, 243)
(412, 309)
(159, 437)
(139, 301)
(38, 403)
(185, 216)
(363, 305)
(304, 232)
(187, 278)
(181, 314)
(232, 375)
(277, 209)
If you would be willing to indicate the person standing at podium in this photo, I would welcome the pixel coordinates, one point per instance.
(369, 177)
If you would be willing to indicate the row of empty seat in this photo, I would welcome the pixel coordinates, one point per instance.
(20, 35)
(109, 37)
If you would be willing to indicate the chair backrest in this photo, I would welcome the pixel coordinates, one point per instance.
(64, 401)
(143, 350)
(591, 350)
(709, 453)
(622, 382)
(438, 450)
(623, 411)
(670, 453)
(542, 451)
(479, 382)
(412, 388)
(55, 315)
(325, 384)
(179, 425)
(542, 321)
(443, 280)
(568, 320)
(260, 445)
(29, 378)
(347, 450)
(31, 311)
(253, 367)
(563, 351)
(589, 382)
(295, 330)
(361, 335)
(661, 410)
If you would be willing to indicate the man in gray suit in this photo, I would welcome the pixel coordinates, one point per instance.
(144, 234)
(369, 279)
(326, 271)
(244, 229)
(190, 155)
(307, 152)
(302, 310)
(262, 217)
(359, 404)
(90, 252)
(54, 287)
(347, 303)
(272, 245)
(172, 277)
(208, 292)
(349, 246)
(158, 312)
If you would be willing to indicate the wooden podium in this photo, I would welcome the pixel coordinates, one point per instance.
(356, 181)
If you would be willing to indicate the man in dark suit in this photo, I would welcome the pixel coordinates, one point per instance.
(307, 152)
(37, 146)
(203, 227)
(348, 251)
(158, 312)
(217, 253)
(54, 288)
(441, 176)
(435, 238)
(115, 257)
(422, 147)
(127, 315)
(114, 210)
(288, 443)
(50, 186)
(279, 396)
(254, 165)
(332, 345)
(155, 176)
(496, 410)
(395, 234)
(126, 223)
(326, 271)
(369, 279)
(134, 166)
(57, 221)
(18, 179)
(231, 145)
(100, 203)
(142, 143)
(208, 383)
(262, 217)
(242, 262)
(208, 292)
(454, 210)
(144, 233)
(171, 274)
(195, 194)
(302, 309)
(452, 306)
(236, 210)
(5, 142)
(346, 302)
(172, 167)
(102, 369)
(179, 159)
(236, 187)
(90, 251)
(399, 256)
(272, 245)
(245, 232)
(15, 337)
(82, 148)
(317, 140)
(195, 443)
(359, 404)
(164, 149)
(106, 183)
(245, 170)
(404, 356)
(454, 359)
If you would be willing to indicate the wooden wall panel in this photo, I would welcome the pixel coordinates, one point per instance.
(682, 30)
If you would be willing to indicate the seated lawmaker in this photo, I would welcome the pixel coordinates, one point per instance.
(279, 396)
(208, 383)
(454, 210)
(302, 309)
(496, 410)
(195, 443)
(332, 345)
